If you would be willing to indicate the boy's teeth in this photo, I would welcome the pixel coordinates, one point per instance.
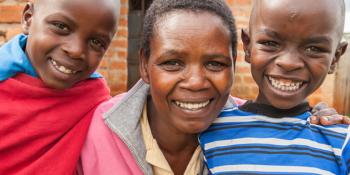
(62, 68)
(192, 106)
(285, 84)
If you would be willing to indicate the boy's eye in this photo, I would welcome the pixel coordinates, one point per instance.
(172, 65)
(314, 51)
(61, 27)
(269, 45)
(97, 44)
(215, 66)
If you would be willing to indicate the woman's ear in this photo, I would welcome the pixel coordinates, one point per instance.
(27, 16)
(143, 66)
(338, 53)
(246, 44)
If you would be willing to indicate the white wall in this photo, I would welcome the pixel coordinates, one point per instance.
(347, 18)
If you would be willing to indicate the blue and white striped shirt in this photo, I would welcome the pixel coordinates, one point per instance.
(240, 142)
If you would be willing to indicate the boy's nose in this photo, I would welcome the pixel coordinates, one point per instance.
(289, 61)
(195, 79)
(75, 49)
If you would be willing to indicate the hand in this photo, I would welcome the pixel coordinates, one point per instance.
(325, 115)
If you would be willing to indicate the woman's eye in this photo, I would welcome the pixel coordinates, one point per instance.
(172, 65)
(215, 66)
(97, 44)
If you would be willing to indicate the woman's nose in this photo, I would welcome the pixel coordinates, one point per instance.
(195, 79)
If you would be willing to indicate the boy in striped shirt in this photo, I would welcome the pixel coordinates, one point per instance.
(291, 48)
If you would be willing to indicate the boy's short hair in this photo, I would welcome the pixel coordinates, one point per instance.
(342, 15)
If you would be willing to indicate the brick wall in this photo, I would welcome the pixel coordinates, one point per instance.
(114, 65)
(244, 86)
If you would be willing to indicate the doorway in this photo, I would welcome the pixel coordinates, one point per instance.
(137, 10)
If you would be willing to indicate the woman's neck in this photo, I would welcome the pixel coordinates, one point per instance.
(177, 146)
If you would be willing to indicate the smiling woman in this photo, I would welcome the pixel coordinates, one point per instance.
(186, 65)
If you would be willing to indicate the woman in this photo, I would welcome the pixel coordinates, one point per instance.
(186, 64)
(186, 67)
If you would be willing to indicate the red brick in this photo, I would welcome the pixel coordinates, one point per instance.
(10, 13)
(238, 79)
(248, 80)
(124, 2)
(117, 65)
(122, 54)
(124, 10)
(13, 31)
(122, 33)
(244, 69)
(120, 43)
(123, 22)
(104, 64)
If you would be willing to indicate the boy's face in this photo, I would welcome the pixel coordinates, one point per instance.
(67, 38)
(291, 48)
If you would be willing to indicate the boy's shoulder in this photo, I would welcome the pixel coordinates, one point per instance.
(13, 58)
(239, 115)
(249, 141)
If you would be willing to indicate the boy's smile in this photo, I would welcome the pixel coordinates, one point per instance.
(65, 69)
(292, 50)
(62, 68)
(68, 38)
(285, 84)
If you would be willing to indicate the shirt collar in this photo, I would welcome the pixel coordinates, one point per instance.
(301, 111)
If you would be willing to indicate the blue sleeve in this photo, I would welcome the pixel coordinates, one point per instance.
(346, 152)
(95, 75)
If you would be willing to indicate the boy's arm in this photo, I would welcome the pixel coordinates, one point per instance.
(325, 115)
(238, 101)
(322, 114)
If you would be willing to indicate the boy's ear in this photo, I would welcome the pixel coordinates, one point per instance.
(143, 66)
(338, 53)
(27, 16)
(246, 44)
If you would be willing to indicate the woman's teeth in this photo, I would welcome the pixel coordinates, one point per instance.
(285, 84)
(62, 68)
(192, 105)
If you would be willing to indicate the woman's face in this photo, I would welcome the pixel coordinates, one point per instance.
(190, 70)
